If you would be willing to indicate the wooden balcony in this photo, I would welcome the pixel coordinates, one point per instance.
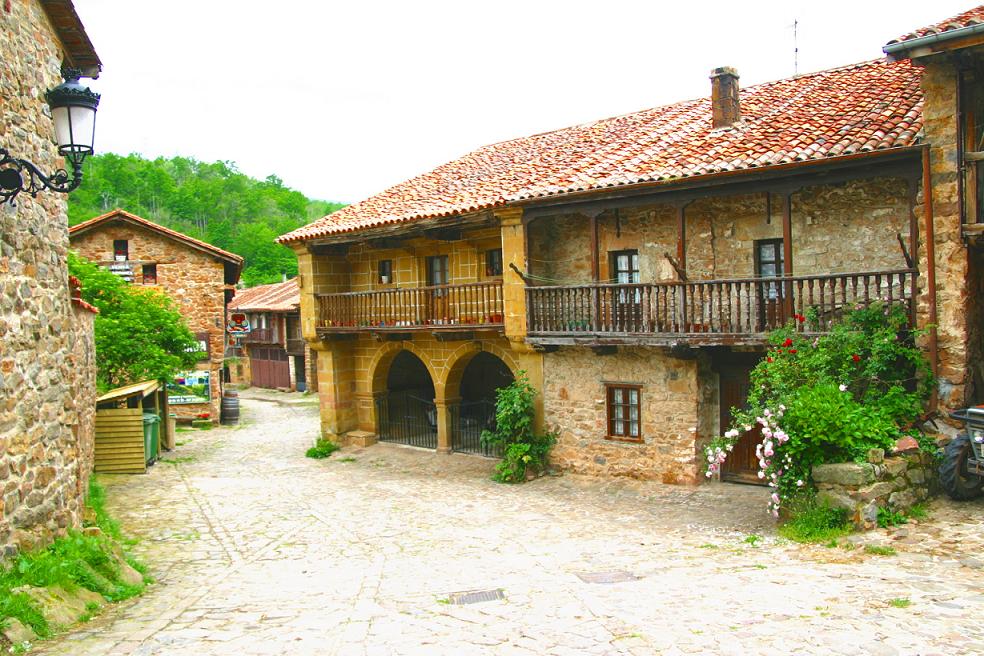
(295, 346)
(464, 307)
(261, 336)
(727, 312)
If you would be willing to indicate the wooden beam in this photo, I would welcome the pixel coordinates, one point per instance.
(595, 264)
(787, 253)
(453, 336)
(682, 238)
(605, 350)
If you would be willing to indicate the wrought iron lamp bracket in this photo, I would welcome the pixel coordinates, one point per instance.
(17, 175)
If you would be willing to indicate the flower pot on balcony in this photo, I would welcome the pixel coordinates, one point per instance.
(384, 280)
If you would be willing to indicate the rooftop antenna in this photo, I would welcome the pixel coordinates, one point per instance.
(796, 50)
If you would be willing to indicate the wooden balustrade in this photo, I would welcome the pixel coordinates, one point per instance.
(261, 336)
(477, 304)
(747, 306)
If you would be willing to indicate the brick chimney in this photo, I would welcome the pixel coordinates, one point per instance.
(725, 111)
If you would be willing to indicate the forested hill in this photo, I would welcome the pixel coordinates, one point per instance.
(212, 202)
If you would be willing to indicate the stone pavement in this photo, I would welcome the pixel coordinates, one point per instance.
(258, 550)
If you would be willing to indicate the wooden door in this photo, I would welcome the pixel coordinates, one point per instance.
(741, 465)
(437, 274)
(769, 263)
(269, 366)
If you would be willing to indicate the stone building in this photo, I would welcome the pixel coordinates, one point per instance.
(272, 354)
(47, 365)
(199, 277)
(633, 266)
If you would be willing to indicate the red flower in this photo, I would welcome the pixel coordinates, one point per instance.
(768, 359)
(792, 350)
(800, 318)
(788, 342)
(856, 357)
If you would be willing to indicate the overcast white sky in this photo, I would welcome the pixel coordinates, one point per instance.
(343, 99)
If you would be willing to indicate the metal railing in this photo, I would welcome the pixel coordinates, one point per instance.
(406, 418)
(468, 420)
(742, 306)
(477, 304)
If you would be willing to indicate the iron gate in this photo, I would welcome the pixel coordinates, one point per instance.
(405, 418)
(468, 420)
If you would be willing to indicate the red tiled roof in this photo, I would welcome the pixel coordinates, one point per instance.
(870, 106)
(123, 215)
(966, 19)
(278, 297)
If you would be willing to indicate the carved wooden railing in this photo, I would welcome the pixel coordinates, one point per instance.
(261, 336)
(744, 306)
(469, 305)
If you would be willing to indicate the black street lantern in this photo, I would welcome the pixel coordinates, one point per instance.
(73, 110)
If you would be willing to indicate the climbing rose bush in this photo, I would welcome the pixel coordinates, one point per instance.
(828, 398)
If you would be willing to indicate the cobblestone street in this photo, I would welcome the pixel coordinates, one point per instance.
(258, 550)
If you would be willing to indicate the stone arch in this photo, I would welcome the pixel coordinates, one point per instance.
(450, 386)
(379, 366)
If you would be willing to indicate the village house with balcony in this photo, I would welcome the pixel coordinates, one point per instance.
(632, 267)
(198, 277)
(273, 354)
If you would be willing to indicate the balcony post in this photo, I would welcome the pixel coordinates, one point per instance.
(514, 249)
(787, 255)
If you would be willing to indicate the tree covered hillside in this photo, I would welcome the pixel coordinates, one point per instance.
(212, 202)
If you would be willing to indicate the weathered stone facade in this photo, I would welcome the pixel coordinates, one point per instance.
(195, 279)
(575, 407)
(845, 227)
(47, 374)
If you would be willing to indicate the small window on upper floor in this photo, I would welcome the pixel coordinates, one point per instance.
(385, 272)
(121, 250)
(150, 274)
(493, 262)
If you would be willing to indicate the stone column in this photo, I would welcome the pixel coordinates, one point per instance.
(445, 426)
(513, 288)
(336, 388)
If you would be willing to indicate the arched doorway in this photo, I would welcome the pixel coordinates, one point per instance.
(405, 412)
(482, 377)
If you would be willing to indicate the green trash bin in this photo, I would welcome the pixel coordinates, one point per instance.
(152, 436)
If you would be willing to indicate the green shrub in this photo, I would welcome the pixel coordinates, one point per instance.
(322, 449)
(829, 398)
(814, 522)
(888, 517)
(523, 450)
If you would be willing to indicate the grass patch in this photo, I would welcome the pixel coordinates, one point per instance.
(322, 449)
(177, 460)
(877, 550)
(72, 562)
(888, 517)
(817, 523)
(918, 511)
(346, 459)
(752, 539)
(900, 602)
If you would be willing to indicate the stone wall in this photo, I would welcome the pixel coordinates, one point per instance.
(956, 351)
(836, 228)
(896, 483)
(195, 280)
(47, 380)
(671, 399)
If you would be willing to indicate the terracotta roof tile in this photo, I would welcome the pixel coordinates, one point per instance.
(870, 106)
(966, 19)
(278, 297)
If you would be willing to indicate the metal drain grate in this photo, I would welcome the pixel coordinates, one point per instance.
(475, 597)
(616, 576)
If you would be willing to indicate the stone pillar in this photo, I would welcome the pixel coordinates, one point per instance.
(336, 388)
(939, 84)
(513, 287)
(445, 426)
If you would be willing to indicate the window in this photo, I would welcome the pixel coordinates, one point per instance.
(121, 250)
(769, 264)
(493, 262)
(437, 270)
(623, 405)
(385, 272)
(625, 266)
(150, 274)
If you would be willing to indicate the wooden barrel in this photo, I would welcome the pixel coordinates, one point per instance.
(230, 407)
